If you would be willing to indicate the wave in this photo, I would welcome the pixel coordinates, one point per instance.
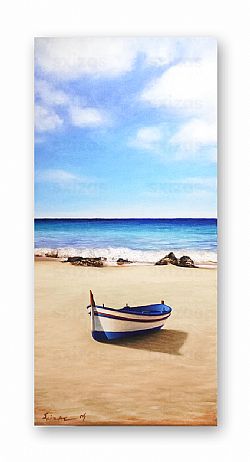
(136, 256)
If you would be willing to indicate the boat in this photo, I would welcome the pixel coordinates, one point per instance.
(113, 323)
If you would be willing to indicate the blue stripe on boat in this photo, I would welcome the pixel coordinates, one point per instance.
(148, 310)
(120, 318)
(103, 336)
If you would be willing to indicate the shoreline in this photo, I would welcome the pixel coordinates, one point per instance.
(108, 264)
(62, 256)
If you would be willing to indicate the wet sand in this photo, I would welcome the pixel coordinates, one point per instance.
(164, 378)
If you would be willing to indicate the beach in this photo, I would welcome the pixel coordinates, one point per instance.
(163, 378)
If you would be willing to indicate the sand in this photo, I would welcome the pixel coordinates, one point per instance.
(164, 378)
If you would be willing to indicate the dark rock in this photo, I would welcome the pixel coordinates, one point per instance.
(52, 254)
(74, 259)
(121, 261)
(89, 262)
(163, 261)
(80, 261)
(186, 262)
(168, 259)
(172, 258)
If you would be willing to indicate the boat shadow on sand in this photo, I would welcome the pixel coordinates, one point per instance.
(164, 341)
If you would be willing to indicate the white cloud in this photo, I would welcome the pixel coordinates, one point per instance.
(69, 182)
(71, 58)
(206, 182)
(55, 176)
(49, 95)
(158, 51)
(63, 178)
(188, 88)
(147, 138)
(46, 119)
(86, 116)
(50, 98)
(195, 134)
(196, 48)
(194, 137)
(182, 186)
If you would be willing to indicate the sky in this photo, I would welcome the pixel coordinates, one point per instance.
(125, 127)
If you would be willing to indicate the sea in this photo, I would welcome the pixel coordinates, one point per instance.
(142, 241)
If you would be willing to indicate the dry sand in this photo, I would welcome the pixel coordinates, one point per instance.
(164, 378)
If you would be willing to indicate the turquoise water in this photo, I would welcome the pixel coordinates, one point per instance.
(141, 240)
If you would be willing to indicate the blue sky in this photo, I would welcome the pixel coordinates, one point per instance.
(125, 127)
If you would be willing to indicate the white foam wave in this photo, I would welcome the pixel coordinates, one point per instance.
(136, 256)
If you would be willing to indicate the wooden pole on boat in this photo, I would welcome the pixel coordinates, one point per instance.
(92, 303)
(91, 297)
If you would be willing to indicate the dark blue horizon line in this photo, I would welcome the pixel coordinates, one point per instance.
(113, 219)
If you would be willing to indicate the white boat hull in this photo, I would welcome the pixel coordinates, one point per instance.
(110, 324)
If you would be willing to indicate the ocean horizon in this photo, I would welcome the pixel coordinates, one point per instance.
(141, 240)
